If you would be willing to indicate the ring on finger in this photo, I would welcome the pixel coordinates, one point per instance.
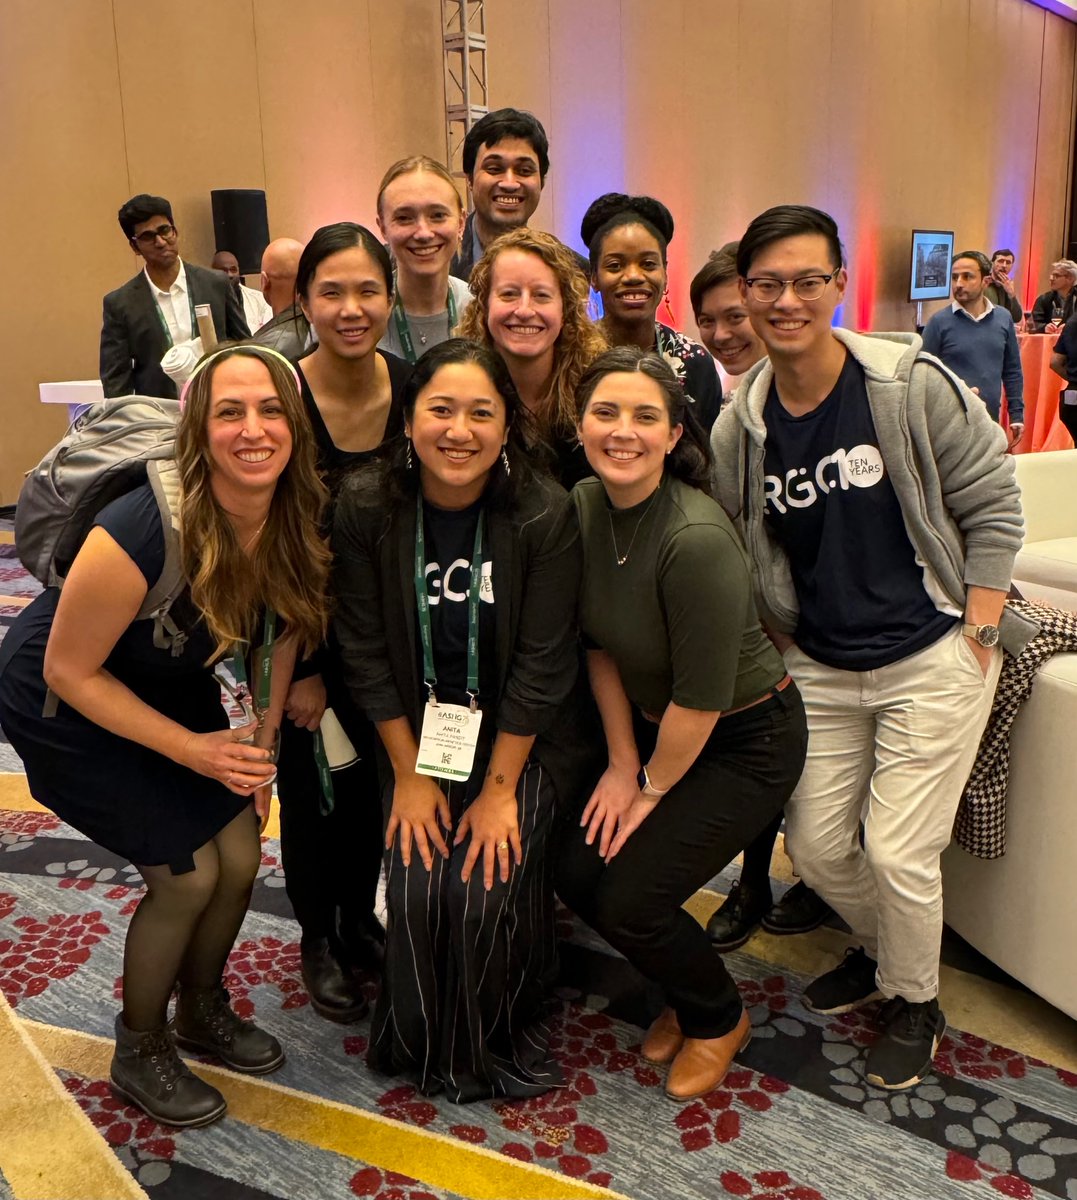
(228, 781)
(502, 845)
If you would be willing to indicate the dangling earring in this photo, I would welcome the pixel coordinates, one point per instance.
(407, 456)
(505, 461)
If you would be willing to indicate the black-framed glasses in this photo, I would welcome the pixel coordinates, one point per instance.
(147, 237)
(807, 287)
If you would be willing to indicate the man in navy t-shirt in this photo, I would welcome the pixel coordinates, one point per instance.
(879, 508)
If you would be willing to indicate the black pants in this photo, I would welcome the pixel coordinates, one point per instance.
(331, 863)
(741, 780)
(1067, 414)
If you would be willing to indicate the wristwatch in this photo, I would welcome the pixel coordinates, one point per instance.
(985, 635)
(643, 782)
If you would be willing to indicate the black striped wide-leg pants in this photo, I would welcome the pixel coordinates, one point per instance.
(464, 1005)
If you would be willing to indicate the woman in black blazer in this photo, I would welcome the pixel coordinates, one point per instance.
(458, 545)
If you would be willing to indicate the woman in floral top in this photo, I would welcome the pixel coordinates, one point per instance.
(627, 238)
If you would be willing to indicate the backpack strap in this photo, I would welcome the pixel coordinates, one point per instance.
(164, 479)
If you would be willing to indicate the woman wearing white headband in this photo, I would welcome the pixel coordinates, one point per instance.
(139, 755)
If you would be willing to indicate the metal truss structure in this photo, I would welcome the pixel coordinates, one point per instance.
(466, 92)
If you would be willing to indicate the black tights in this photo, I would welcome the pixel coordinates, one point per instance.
(186, 925)
(755, 874)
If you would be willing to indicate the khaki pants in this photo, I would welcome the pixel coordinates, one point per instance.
(895, 746)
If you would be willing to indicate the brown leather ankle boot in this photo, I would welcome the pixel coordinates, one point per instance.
(702, 1063)
(663, 1040)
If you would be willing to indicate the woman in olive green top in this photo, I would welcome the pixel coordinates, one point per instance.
(705, 731)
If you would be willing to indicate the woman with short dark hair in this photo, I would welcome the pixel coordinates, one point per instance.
(627, 238)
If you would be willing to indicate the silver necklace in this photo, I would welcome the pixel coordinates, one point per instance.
(623, 558)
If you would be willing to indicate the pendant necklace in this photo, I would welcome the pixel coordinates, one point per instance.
(623, 558)
(250, 541)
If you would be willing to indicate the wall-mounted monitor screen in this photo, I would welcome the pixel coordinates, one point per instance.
(929, 277)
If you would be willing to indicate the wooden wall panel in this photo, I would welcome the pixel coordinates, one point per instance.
(189, 90)
(346, 90)
(64, 177)
(888, 113)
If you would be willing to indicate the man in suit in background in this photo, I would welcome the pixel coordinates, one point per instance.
(155, 310)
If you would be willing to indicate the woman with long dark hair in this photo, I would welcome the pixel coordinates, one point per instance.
(627, 238)
(456, 573)
(705, 731)
(330, 843)
(139, 755)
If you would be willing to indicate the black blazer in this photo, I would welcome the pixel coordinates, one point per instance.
(133, 341)
(537, 562)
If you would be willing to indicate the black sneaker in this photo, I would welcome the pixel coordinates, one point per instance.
(733, 923)
(902, 1056)
(850, 985)
(800, 910)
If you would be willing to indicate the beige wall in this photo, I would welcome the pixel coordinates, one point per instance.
(888, 113)
(112, 97)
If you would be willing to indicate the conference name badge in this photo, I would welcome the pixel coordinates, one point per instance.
(448, 740)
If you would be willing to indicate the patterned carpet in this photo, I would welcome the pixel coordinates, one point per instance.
(793, 1120)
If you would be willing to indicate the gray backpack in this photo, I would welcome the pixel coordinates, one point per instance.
(112, 448)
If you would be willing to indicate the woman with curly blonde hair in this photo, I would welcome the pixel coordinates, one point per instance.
(138, 754)
(531, 306)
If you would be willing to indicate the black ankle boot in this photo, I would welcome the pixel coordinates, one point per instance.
(147, 1071)
(334, 994)
(733, 924)
(205, 1021)
(362, 944)
(800, 910)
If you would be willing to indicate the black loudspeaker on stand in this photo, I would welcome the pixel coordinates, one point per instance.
(240, 224)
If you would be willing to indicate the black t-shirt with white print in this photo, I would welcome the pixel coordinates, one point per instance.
(832, 508)
(449, 543)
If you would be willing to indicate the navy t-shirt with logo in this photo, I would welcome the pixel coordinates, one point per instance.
(833, 510)
(449, 537)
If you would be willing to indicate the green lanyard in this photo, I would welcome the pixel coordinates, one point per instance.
(403, 329)
(263, 671)
(263, 675)
(423, 602)
(164, 323)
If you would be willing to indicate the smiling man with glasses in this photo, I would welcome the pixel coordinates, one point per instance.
(155, 310)
(880, 512)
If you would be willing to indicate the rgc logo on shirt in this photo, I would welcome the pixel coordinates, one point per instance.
(454, 583)
(860, 467)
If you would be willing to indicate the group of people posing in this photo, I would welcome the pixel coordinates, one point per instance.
(586, 635)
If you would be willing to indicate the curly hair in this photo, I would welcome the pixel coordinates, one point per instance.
(579, 341)
(614, 209)
(289, 569)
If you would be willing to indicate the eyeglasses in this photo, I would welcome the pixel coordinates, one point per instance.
(807, 287)
(167, 233)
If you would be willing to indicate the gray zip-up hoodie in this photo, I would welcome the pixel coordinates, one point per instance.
(946, 461)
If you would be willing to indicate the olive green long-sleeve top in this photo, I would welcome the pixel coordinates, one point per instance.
(678, 617)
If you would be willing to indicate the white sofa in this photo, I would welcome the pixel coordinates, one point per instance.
(1018, 910)
(1046, 567)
